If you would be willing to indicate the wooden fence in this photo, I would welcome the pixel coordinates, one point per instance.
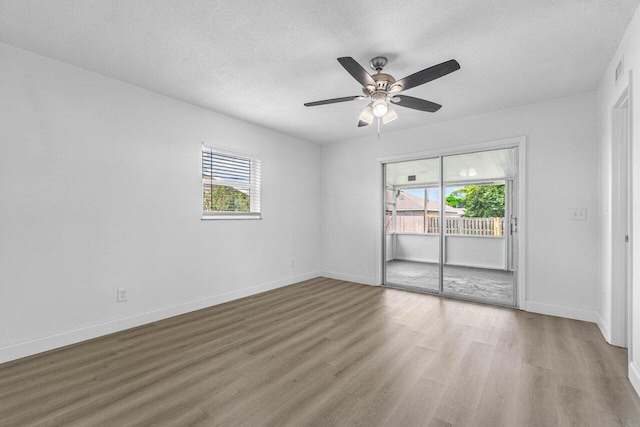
(453, 225)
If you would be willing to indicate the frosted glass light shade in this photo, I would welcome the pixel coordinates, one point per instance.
(380, 108)
(390, 116)
(366, 117)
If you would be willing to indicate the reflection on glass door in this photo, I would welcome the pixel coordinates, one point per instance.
(459, 245)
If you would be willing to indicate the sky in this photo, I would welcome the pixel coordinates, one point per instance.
(434, 193)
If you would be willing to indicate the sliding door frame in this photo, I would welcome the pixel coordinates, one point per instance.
(520, 237)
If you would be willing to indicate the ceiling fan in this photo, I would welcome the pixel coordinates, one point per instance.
(382, 89)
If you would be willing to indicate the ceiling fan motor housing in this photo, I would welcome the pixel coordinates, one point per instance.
(377, 96)
(383, 81)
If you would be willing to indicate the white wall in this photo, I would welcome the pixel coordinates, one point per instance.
(100, 189)
(475, 251)
(390, 246)
(562, 255)
(417, 247)
(469, 251)
(608, 95)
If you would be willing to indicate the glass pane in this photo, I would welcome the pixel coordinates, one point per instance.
(476, 247)
(230, 183)
(222, 198)
(412, 224)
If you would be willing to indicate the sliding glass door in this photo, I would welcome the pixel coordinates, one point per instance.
(449, 225)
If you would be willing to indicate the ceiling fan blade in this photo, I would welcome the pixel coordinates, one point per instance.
(356, 71)
(415, 103)
(428, 74)
(332, 101)
(366, 117)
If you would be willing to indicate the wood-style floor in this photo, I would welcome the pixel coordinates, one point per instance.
(325, 352)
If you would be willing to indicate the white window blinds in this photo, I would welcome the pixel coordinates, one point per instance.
(230, 185)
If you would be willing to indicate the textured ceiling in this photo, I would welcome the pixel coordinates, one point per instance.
(261, 60)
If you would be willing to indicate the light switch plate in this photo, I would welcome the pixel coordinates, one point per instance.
(121, 294)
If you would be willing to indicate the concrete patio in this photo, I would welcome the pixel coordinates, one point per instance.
(466, 282)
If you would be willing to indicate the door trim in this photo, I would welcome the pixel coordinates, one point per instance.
(621, 205)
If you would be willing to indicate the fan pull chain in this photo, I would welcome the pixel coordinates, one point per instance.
(378, 127)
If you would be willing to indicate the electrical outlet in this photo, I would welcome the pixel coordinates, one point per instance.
(578, 214)
(122, 294)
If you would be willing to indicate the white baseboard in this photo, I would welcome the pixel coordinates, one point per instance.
(39, 345)
(604, 328)
(453, 264)
(634, 377)
(560, 311)
(371, 281)
(428, 261)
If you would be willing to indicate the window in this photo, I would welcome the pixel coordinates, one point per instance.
(230, 185)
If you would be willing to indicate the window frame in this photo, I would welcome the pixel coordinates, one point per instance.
(255, 185)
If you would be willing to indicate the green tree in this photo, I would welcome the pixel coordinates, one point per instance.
(479, 201)
(454, 201)
(484, 201)
(226, 199)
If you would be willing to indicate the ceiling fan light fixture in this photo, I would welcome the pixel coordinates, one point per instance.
(390, 116)
(366, 117)
(380, 108)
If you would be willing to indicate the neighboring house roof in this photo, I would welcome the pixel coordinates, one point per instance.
(409, 202)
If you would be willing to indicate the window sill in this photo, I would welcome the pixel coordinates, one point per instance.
(209, 216)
